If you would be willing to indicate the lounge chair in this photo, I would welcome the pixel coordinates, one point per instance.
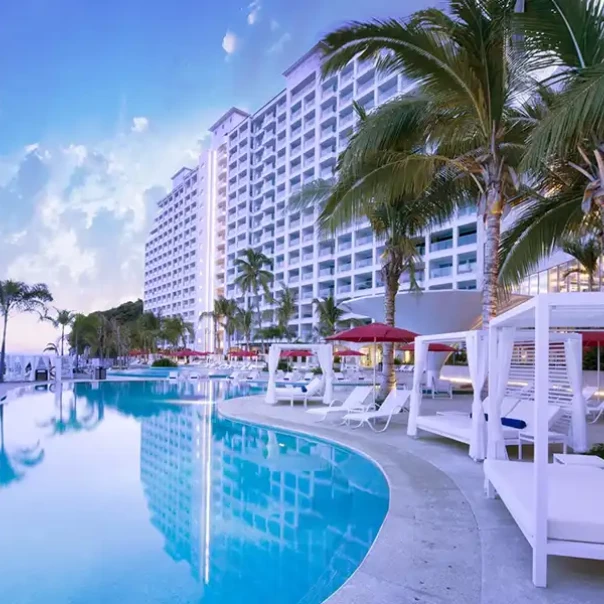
(355, 400)
(558, 422)
(310, 392)
(393, 403)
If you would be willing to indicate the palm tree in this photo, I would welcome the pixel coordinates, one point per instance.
(466, 101)
(566, 37)
(147, 331)
(230, 311)
(223, 315)
(16, 296)
(587, 253)
(51, 347)
(13, 463)
(175, 330)
(286, 309)
(61, 320)
(329, 315)
(395, 221)
(252, 276)
(244, 322)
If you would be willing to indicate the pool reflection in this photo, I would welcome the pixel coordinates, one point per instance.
(255, 514)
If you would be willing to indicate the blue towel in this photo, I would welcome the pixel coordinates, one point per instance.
(509, 422)
(304, 389)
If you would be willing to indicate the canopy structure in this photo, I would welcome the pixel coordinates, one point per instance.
(324, 354)
(470, 431)
(557, 507)
(436, 347)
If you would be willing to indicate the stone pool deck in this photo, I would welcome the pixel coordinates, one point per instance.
(442, 541)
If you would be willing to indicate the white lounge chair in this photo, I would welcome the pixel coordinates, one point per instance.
(311, 392)
(355, 400)
(393, 403)
(557, 420)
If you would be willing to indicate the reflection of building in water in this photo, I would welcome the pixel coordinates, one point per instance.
(285, 495)
(175, 464)
(254, 511)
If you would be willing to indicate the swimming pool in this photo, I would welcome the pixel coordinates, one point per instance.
(127, 492)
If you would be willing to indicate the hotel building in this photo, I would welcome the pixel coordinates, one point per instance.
(256, 162)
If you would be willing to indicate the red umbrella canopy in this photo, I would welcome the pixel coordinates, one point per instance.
(592, 338)
(136, 353)
(435, 347)
(375, 332)
(244, 353)
(296, 353)
(347, 353)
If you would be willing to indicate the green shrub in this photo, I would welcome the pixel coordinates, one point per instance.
(283, 365)
(337, 360)
(597, 450)
(398, 362)
(317, 371)
(163, 362)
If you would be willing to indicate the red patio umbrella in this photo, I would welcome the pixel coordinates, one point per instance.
(375, 332)
(431, 348)
(347, 353)
(295, 353)
(244, 353)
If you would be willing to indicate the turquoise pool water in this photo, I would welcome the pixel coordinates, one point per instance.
(137, 492)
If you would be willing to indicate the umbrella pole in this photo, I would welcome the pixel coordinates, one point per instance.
(598, 374)
(374, 365)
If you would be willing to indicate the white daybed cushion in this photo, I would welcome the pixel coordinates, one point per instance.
(455, 427)
(574, 502)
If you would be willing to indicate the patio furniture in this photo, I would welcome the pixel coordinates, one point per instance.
(579, 460)
(394, 403)
(355, 400)
(306, 394)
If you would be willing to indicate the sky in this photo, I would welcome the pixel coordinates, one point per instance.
(101, 102)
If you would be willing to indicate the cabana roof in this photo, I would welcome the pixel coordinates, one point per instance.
(578, 310)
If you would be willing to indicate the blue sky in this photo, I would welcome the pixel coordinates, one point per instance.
(100, 102)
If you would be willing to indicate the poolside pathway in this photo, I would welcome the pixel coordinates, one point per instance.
(442, 540)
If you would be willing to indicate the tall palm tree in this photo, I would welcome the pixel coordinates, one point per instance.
(62, 319)
(587, 253)
(395, 221)
(466, 99)
(244, 322)
(15, 297)
(253, 275)
(223, 315)
(329, 315)
(175, 330)
(229, 323)
(287, 307)
(566, 37)
(564, 155)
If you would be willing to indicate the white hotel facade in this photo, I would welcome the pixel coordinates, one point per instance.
(237, 197)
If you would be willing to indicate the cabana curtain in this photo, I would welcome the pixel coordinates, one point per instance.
(421, 355)
(476, 347)
(573, 353)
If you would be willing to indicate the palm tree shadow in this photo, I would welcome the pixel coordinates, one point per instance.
(72, 423)
(13, 464)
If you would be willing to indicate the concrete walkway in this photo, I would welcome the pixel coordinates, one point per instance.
(442, 540)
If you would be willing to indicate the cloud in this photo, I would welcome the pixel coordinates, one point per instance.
(278, 46)
(77, 215)
(140, 124)
(274, 25)
(230, 42)
(31, 148)
(253, 12)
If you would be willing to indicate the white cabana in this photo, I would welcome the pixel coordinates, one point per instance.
(557, 507)
(470, 431)
(511, 373)
(324, 354)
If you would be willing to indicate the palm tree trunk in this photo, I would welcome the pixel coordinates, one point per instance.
(62, 339)
(491, 264)
(3, 349)
(388, 382)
